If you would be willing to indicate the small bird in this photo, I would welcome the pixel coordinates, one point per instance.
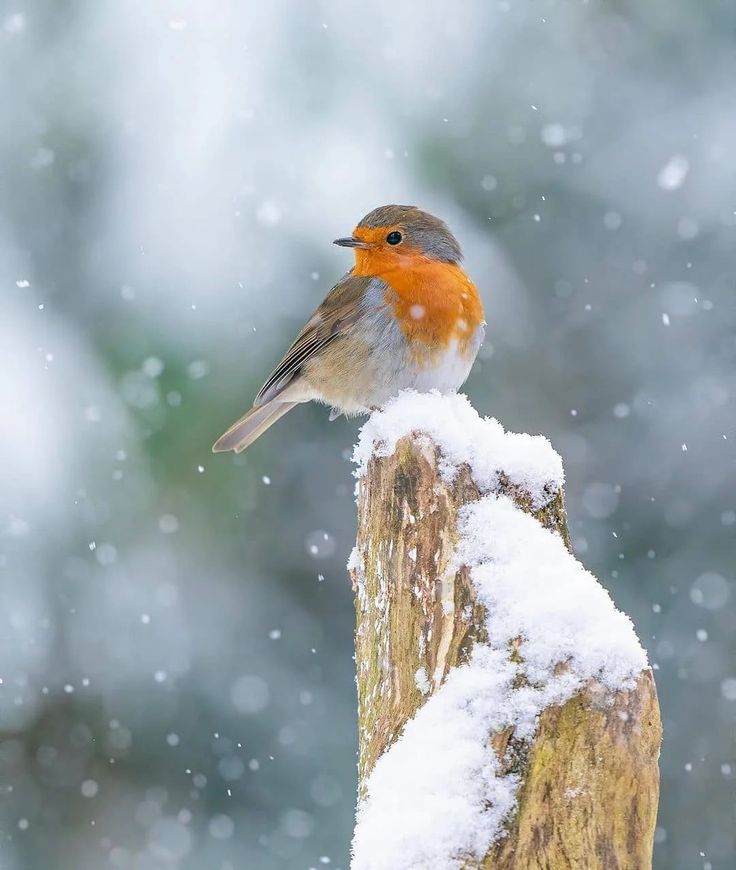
(406, 316)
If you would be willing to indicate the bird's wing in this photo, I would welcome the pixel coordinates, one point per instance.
(334, 317)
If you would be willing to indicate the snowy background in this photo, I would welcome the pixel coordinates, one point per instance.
(176, 628)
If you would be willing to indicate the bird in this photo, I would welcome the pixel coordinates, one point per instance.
(405, 316)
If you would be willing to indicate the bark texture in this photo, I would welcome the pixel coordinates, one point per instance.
(590, 779)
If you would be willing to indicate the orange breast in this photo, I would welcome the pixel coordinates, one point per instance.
(434, 302)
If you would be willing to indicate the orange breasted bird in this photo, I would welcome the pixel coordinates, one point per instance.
(406, 316)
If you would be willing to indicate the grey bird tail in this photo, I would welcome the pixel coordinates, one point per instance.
(251, 426)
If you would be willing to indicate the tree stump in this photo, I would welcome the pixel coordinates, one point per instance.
(576, 788)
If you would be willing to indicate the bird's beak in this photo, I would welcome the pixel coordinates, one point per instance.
(350, 242)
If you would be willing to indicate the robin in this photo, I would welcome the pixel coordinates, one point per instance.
(406, 316)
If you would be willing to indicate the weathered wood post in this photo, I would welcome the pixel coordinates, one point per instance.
(507, 714)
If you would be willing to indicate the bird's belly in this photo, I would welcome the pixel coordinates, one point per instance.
(360, 373)
(445, 371)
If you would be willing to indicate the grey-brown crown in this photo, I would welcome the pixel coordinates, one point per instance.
(419, 228)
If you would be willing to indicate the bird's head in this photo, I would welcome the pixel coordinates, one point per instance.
(393, 236)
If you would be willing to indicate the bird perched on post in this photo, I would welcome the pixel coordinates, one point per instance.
(406, 316)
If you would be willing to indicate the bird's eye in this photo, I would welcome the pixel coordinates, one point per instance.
(394, 238)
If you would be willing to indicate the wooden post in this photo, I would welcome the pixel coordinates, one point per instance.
(588, 780)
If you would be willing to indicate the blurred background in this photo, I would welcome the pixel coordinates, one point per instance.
(176, 628)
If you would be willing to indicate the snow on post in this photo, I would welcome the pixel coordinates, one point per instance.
(508, 717)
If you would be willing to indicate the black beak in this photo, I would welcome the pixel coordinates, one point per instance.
(350, 242)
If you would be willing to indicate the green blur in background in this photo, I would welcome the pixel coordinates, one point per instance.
(176, 628)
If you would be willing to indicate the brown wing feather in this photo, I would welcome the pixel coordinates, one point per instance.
(337, 313)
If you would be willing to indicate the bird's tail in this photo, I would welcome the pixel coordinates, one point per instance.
(251, 425)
